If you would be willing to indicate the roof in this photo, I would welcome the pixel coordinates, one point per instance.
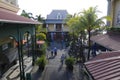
(10, 17)
(105, 66)
(54, 13)
(111, 42)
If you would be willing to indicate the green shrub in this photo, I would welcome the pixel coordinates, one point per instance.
(41, 62)
(43, 48)
(69, 63)
(41, 36)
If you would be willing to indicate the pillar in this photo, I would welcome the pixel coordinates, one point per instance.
(47, 28)
(62, 27)
(109, 11)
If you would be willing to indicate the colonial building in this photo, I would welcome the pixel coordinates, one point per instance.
(12, 30)
(55, 24)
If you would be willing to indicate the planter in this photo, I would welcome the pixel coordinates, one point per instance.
(41, 67)
(69, 63)
(41, 62)
(69, 68)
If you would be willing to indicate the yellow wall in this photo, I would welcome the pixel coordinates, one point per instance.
(51, 27)
(116, 11)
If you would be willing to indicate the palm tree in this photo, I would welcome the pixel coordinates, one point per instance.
(89, 20)
(28, 15)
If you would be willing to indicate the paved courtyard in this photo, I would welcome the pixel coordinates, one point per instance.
(54, 70)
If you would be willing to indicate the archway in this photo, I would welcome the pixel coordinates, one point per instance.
(8, 53)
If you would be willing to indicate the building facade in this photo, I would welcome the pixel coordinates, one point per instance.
(10, 5)
(57, 29)
(12, 34)
(114, 12)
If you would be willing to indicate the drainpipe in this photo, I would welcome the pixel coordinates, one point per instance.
(88, 73)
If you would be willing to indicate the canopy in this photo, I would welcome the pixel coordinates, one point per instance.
(10, 17)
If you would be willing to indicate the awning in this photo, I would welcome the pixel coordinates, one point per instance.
(9, 17)
(105, 66)
(111, 42)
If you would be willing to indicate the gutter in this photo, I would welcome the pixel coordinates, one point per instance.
(88, 73)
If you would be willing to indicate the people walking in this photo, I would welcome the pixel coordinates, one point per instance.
(51, 52)
(62, 58)
(55, 51)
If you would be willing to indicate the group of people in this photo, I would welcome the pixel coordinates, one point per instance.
(54, 52)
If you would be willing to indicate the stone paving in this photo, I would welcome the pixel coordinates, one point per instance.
(54, 70)
(13, 72)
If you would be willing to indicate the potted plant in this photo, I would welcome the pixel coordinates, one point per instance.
(41, 62)
(69, 63)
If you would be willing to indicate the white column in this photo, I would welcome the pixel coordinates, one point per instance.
(47, 28)
(62, 27)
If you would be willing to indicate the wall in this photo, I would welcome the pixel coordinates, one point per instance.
(10, 5)
(51, 27)
(116, 13)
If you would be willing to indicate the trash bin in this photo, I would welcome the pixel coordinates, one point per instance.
(28, 76)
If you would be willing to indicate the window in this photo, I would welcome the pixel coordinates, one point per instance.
(59, 16)
(58, 27)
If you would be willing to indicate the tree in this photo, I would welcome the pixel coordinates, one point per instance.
(89, 20)
(28, 15)
(39, 18)
(73, 21)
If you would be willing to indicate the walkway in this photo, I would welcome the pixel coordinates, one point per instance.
(54, 70)
(13, 72)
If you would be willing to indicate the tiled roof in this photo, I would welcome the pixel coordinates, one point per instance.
(105, 66)
(111, 42)
(9, 17)
(54, 13)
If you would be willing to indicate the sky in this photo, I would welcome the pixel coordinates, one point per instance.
(44, 7)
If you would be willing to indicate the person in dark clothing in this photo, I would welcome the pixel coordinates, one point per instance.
(55, 51)
(51, 52)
